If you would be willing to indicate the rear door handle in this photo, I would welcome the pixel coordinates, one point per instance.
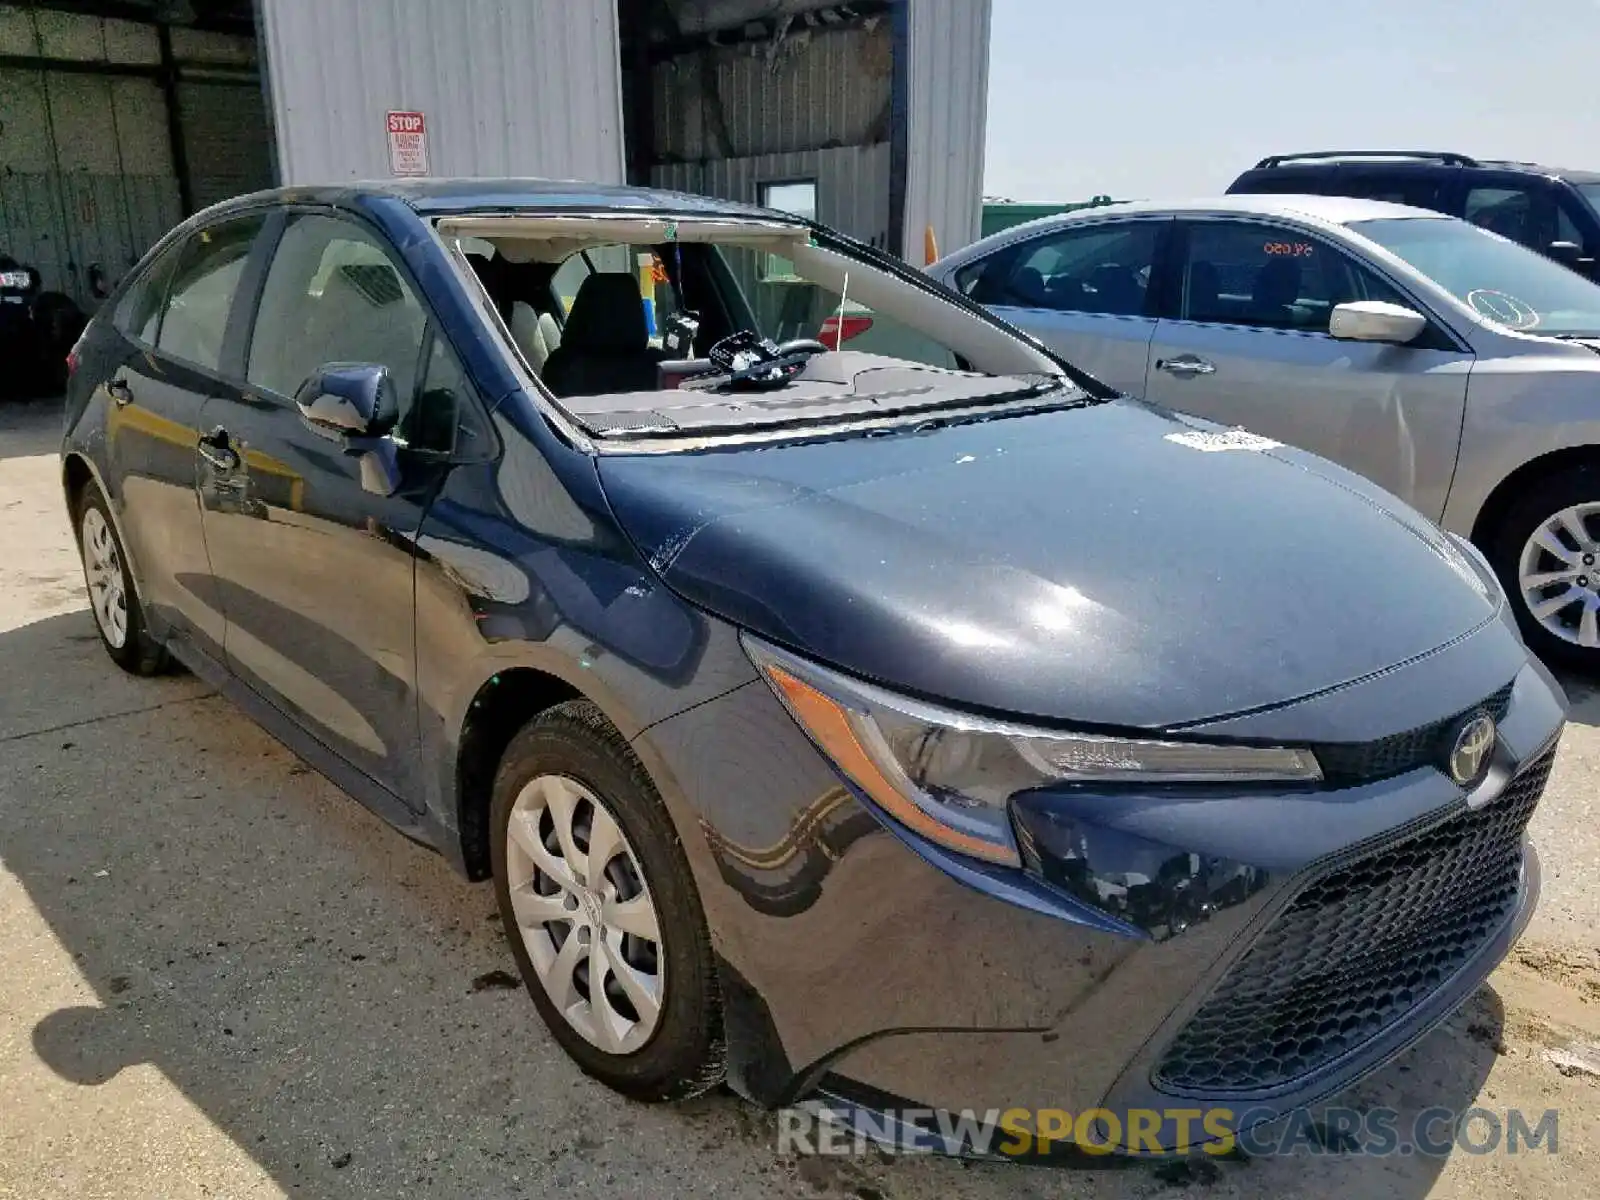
(217, 449)
(1186, 364)
(120, 392)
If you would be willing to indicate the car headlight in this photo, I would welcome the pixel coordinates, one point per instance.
(949, 776)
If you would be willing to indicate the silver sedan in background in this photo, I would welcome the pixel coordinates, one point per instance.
(1448, 364)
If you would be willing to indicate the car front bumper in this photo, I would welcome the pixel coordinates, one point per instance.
(863, 964)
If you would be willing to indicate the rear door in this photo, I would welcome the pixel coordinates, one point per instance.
(173, 325)
(314, 572)
(1087, 290)
(1250, 347)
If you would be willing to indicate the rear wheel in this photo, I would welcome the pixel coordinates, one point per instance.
(112, 599)
(601, 910)
(1547, 554)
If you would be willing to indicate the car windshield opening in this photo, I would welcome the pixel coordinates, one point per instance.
(1502, 282)
(646, 326)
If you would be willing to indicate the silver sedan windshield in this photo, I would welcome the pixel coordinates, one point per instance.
(1498, 279)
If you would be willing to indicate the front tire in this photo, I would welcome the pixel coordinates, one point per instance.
(1546, 551)
(118, 616)
(601, 911)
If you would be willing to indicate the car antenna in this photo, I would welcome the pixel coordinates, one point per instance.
(838, 323)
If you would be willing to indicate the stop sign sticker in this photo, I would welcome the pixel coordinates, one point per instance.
(408, 143)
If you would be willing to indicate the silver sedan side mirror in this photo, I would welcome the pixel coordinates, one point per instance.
(1376, 321)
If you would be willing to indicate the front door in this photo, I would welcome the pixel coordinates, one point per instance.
(1083, 290)
(315, 572)
(172, 325)
(1250, 347)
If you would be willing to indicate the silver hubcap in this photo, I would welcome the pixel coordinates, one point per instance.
(1559, 576)
(102, 568)
(585, 914)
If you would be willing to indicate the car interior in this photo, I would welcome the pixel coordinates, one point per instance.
(610, 315)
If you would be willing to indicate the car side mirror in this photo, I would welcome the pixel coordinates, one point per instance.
(1376, 321)
(355, 405)
(1567, 253)
(349, 400)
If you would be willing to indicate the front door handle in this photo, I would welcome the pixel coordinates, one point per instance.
(217, 449)
(1186, 365)
(120, 392)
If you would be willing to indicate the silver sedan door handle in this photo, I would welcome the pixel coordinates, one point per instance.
(1186, 364)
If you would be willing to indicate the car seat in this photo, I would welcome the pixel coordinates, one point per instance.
(1204, 301)
(1277, 287)
(1028, 288)
(527, 330)
(1116, 291)
(606, 344)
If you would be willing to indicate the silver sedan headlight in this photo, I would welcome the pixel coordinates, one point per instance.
(949, 776)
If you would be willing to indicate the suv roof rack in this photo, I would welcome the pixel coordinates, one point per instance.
(1448, 158)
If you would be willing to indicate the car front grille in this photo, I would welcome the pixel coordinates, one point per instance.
(1357, 950)
(1344, 763)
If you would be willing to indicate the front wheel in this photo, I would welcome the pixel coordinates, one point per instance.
(601, 910)
(1546, 552)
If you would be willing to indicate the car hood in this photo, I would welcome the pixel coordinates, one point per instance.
(1110, 565)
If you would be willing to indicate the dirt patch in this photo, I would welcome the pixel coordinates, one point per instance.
(1569, 966)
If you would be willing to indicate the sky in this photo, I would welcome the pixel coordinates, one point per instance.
(1173, 98)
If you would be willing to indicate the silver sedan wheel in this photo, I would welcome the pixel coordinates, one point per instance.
(102, 568)
(585, 914)
(1559, 575)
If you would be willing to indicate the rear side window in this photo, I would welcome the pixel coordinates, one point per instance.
(138, 314)
(1270, 277)
(1417, 190)
(199, 296)
(1100, 268)
(1525, 215)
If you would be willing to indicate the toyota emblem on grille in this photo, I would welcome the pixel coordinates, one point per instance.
(1469, 757)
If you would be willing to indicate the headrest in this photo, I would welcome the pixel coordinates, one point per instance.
(608, 315)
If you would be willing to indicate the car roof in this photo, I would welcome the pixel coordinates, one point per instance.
(438, 197)
(1336, 210)
(1527, 168)
(1332, 210)
(1403, 165)
(1325, 210)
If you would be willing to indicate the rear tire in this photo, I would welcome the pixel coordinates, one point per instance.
(563, 778)
(1546, 551)
(113, 602)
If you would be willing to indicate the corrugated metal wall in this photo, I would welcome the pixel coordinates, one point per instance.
(86, 175)
(949, 100)
(852, 183)
(507, 87)
(223, 114)
(226, 139)
(806, 91)
(814, 104)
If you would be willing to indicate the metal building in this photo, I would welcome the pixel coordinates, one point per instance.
(118, 117)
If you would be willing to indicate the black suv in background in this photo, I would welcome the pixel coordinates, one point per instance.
(1552, 211)
(37, 328)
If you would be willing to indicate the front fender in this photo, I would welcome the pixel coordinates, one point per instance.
(1520, 409)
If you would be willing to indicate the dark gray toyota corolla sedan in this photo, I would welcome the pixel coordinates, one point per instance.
(843, 693)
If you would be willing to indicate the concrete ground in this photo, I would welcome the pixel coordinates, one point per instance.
(219, 976)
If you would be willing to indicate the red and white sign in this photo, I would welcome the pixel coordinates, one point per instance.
(408, 143)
